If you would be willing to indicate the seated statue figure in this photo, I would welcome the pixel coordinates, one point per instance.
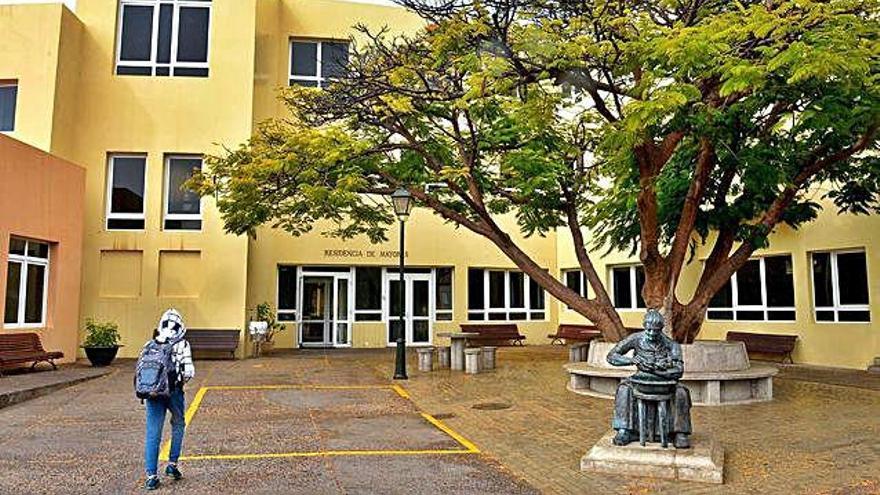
(657, 359)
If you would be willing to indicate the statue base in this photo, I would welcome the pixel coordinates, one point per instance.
(703, 462)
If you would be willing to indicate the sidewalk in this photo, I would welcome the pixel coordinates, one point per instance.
(20, 385)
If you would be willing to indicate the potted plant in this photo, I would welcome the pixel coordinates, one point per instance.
(101, 342)
(264, 326)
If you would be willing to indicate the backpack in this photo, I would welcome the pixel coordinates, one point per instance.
(152, 376)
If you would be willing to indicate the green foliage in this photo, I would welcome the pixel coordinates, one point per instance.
(264, 312)
(101, 333)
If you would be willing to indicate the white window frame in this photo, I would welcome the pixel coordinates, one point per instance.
(154, 37)
(736, 307)
(26, 261)
(318, 78)
(167, 190)
(278, 310)
(507, 309)
(109, 214)
(563, 275)
(381, 310)
(12, 84)
(633, 290)
(451, 311)
(835, 283)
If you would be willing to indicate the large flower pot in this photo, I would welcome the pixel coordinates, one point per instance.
(101, 356)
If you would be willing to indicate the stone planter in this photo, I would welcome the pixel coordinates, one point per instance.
(716, 373)
(101, 356)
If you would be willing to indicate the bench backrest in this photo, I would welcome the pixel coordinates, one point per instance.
(213, 338)
(571, 330)
(18, 342)
(764, 342)
(494, 330)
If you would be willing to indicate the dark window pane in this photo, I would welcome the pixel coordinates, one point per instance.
(853, 316)
(191, 72)
(517, 290)
(125, 224)
(824, 315)
(621, 282)
(780, 281)
(720, 315)
(286, 287)
(8, 97)
(38, 249)
(304, 58)
(537, 315)
(13, 284)
(852, 276)
(192, 34)
(183, 225)
(420, 299)
(823, 291)
(308, 84)
(748, 284)
(476, 316)
(723, 298)
(17, 246)
(368, 288)
(573, 281)
(444, 317)
(128, 185)
(137, 33)
(134, 71)
(183, 201)
(750, 315)
(287, 317)
(163, 71)
(780, 315)
(395, 295)
(334, 59)
(640, 282)
(166, 13)
(498, 316)
(443, 291)
(33, 308)
(368, 317)
(517, 316)
(496, 289)
(536, 295)
(475, 289)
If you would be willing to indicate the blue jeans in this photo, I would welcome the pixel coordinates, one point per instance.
(155, 421)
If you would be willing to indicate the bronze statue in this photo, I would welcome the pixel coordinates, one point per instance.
(644, 398)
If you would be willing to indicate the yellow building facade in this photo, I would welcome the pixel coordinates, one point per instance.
(137, 92)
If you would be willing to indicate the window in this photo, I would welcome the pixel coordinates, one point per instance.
(27, 281)
(367, 293)
(183, 209)
(287, 281)
(836, 302)
(313, 63)
(575, 280)
(8, 97)
(762, 290)
(125, 192)
(163, 38)
(626, 284)
(443, 294)
(503, 295)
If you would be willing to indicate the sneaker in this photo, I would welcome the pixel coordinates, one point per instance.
(152, 482)
(173, 472)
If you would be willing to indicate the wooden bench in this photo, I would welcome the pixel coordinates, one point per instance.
(220, 340)
(766, 343)
(502, 333)
(574, 333)
(23, 348)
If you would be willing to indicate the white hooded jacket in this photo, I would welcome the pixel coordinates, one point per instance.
(171, 328)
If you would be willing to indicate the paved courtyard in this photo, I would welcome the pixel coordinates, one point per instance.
(332, 422)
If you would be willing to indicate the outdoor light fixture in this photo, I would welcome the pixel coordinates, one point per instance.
(401, 199)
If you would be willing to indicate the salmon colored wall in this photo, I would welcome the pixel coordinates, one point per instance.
(41, 198)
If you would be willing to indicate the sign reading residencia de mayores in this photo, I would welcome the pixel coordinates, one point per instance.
(363, 253)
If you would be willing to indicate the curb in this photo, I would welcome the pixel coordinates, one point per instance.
(18, 396)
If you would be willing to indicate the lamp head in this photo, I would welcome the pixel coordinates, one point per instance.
(402, 202)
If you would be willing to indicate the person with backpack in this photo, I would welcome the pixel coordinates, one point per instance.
(164, 366)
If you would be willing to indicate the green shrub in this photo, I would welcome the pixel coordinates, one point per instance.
(264, 312)
(101, 333)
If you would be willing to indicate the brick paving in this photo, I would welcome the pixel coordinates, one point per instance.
(819, 436)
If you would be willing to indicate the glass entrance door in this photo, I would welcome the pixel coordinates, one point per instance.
(326, 310)
(416, 324)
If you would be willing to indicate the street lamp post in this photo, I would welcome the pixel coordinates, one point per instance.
(402, 202)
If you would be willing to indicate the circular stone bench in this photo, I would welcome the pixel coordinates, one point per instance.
(716, 373)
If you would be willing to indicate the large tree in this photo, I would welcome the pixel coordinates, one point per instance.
(653, 126)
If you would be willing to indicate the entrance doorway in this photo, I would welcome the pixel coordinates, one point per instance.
(326, 310)
(418, 297)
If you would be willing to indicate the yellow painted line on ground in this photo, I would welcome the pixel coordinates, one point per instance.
(327, 453)
(188, 416)
(400, 391)
(296, 387)
(471, 448)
